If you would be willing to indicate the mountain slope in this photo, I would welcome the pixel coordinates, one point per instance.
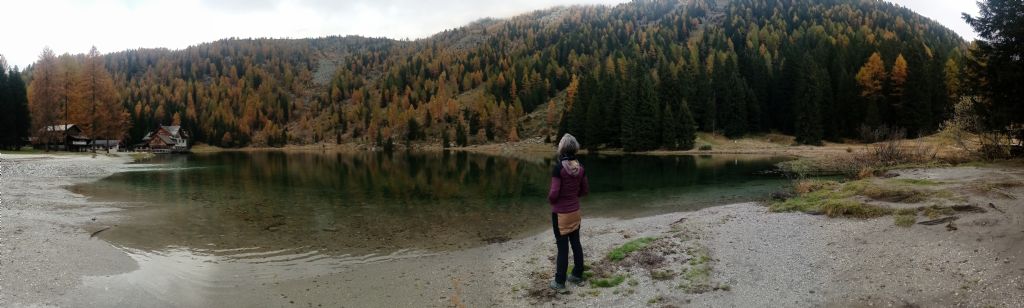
(735, 64)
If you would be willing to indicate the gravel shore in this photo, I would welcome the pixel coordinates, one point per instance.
(754, 258)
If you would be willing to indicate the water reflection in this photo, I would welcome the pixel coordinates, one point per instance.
(365, 203)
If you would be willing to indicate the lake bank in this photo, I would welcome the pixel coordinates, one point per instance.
(755, 258)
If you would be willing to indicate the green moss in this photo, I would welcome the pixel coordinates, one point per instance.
(905, 220)
(608, 282)
(621, 252)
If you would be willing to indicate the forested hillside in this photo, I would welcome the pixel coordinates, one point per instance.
(641, 75)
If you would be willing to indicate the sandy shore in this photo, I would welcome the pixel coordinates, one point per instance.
(746, 257)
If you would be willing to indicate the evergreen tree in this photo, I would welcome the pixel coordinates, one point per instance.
(577, 121)
(996, 65)
(731, 99)
(669, 129)
(807, 99)
(461, 139)
(412, 131)
(595, 118)
(644, 133)
(687, 128)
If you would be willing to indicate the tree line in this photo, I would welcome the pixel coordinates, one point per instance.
(641, 75)
(14, 116)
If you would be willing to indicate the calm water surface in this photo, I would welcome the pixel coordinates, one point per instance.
(264, 204)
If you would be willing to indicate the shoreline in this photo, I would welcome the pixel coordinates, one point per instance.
(755, 258)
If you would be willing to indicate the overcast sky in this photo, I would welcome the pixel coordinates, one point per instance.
(73, 26)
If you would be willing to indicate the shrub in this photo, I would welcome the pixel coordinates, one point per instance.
(705, 147)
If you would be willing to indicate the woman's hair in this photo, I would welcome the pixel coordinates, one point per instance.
(568, 145)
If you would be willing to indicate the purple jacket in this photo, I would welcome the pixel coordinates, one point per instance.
(568, 184)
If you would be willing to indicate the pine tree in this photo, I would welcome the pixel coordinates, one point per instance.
(577, 119)
(996, 64)
(687, 128)
(595, 118)
(807, 99)
(461, 139)
(669, 129)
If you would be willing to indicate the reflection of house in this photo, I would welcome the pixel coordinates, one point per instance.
(167, 139)
(63, 137)
(106, 145)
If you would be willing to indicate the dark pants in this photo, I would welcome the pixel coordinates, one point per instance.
(562, 261)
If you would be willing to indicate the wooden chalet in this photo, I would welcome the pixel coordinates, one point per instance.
(166, 139)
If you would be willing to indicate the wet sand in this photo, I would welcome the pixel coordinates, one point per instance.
(765, 259)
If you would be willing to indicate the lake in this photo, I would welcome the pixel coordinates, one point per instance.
(262, 204)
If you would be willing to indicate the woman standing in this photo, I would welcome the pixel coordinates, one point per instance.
(568, 184)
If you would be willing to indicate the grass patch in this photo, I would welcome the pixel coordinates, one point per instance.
(935, 211)
(663, 275)
(697, 277)
(812, 185)
(621, 252)
(608, 282)
(587, 273)
(836, 199)
(905, 220)
(831, 202)
(852, 208)
(910, 211)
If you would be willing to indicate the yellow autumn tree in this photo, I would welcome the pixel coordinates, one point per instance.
(870, 78)
(898, 77)
(97, 107)
(44, 94)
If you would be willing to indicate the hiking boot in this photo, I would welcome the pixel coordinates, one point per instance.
(558, 287)
(576, 280)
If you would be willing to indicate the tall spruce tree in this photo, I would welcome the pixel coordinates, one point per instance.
(669, 129)
(645, 129)
(808, 97)
(687, 134)
(996, 65)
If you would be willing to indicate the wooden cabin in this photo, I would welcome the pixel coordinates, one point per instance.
(67, 137)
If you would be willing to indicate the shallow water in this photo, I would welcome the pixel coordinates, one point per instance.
(276, 207)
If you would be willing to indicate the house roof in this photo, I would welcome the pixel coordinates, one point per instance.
(165, 139)
(59, 128)
(173, 129)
